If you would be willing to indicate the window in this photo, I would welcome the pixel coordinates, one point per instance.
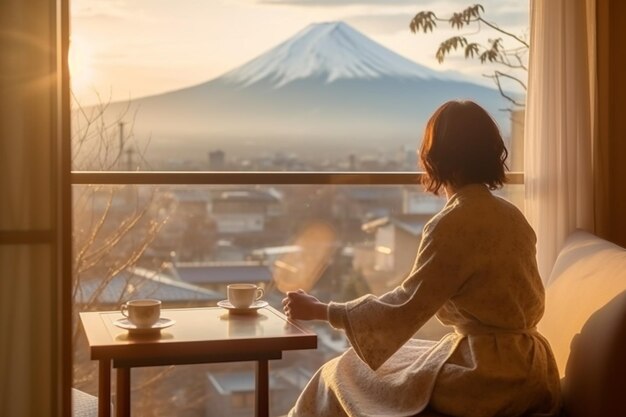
(211, 164)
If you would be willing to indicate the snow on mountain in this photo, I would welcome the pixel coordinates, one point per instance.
(330, 51)
(327, 90)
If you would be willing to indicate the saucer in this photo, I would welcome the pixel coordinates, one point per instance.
(162, 323)
(246, 310)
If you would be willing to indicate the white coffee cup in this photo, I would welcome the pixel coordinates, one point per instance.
(142, 313)
(243, 295)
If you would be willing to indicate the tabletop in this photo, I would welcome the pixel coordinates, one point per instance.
(197, 331)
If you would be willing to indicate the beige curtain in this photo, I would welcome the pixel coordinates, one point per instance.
(30, 324)
(610, 147)
(560, 117)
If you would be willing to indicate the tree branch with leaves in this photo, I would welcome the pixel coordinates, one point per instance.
(509, 61)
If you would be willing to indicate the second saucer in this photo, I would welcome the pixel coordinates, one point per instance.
(246, 310)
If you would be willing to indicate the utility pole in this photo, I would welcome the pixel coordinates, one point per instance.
(130, 190)
(129, 159)
(121, 148)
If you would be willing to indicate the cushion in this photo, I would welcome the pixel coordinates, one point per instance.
(586, 313)
(588, 273)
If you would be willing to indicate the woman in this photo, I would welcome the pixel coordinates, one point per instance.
(476, 270)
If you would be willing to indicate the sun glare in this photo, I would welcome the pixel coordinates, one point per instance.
(81, 66)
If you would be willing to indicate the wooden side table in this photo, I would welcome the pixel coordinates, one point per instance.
(200, 335)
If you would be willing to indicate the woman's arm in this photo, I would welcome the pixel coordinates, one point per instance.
(379, 326)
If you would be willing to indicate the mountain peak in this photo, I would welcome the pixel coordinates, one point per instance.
(328, 26)
(329, 51)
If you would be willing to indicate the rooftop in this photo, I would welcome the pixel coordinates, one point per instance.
(413, 224)
(227, 383)
(223, 273)
(141, 283)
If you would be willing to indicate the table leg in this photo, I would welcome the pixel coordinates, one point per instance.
(123, 393)
(262, 404)
(104, 388)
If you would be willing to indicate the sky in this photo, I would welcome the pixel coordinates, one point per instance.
(125, 49)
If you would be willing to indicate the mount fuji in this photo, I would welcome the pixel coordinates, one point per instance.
(329, 51)
(328, 90)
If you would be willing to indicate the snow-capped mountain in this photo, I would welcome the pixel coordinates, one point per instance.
(328, 51)
(327, 90)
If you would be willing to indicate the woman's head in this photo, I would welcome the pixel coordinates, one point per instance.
(462, 145)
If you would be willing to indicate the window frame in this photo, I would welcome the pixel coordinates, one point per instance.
(70, 178)
(255, 178)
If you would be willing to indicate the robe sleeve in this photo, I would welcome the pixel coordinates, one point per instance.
(378, 326)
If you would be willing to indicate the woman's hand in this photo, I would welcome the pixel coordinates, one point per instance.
(299, 305)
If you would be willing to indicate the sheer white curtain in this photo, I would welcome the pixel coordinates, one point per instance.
(560, 114)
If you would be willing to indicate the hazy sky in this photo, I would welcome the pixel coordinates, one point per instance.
(131, 48)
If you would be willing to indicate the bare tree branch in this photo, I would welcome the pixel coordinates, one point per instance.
(499, 29)
(496, 78)
(509, 76)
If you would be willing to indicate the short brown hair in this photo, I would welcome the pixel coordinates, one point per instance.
(462, 145)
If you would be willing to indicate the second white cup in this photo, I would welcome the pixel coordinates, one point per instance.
(142, 313)
(243, 295)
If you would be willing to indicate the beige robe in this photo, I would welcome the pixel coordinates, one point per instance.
(476, 270)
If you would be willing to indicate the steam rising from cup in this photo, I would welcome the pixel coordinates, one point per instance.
(302, 269)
